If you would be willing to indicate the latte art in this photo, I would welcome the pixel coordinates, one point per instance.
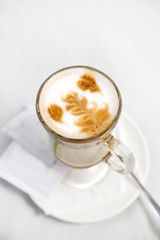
(87, 82)
(78, 103)
(55, 112)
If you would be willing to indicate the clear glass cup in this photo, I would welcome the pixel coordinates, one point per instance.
(87, 154)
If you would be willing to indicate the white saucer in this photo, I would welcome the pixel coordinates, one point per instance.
(107, 198)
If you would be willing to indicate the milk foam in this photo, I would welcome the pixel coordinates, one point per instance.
(63, 83)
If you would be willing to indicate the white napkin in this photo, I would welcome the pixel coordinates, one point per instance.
(31, 168)
(26, 129)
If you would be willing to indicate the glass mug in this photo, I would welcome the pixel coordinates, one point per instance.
(87, 157)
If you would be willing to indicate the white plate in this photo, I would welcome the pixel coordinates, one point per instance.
(109, 197)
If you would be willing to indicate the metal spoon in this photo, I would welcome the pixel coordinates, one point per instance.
(122, 169)
(147, 194)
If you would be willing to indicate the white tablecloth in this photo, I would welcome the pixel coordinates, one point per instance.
(120, 38)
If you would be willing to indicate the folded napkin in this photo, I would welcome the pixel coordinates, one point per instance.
(28, 162)
(26, 129)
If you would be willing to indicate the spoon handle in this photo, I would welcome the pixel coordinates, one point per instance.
(146, 193)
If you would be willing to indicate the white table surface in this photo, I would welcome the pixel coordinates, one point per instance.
(121, 38)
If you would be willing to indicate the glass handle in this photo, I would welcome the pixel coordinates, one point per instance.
(119, 157)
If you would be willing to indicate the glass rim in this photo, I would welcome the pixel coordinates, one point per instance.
(78, 140)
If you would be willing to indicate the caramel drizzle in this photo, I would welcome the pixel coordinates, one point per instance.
(91, 120)
(87, 82)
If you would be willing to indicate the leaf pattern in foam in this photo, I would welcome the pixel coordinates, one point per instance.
(91, 120)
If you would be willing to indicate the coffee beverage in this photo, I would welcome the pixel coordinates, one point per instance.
(78, 103)
(79, 107)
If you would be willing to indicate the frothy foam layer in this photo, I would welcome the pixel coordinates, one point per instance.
(78, 103)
